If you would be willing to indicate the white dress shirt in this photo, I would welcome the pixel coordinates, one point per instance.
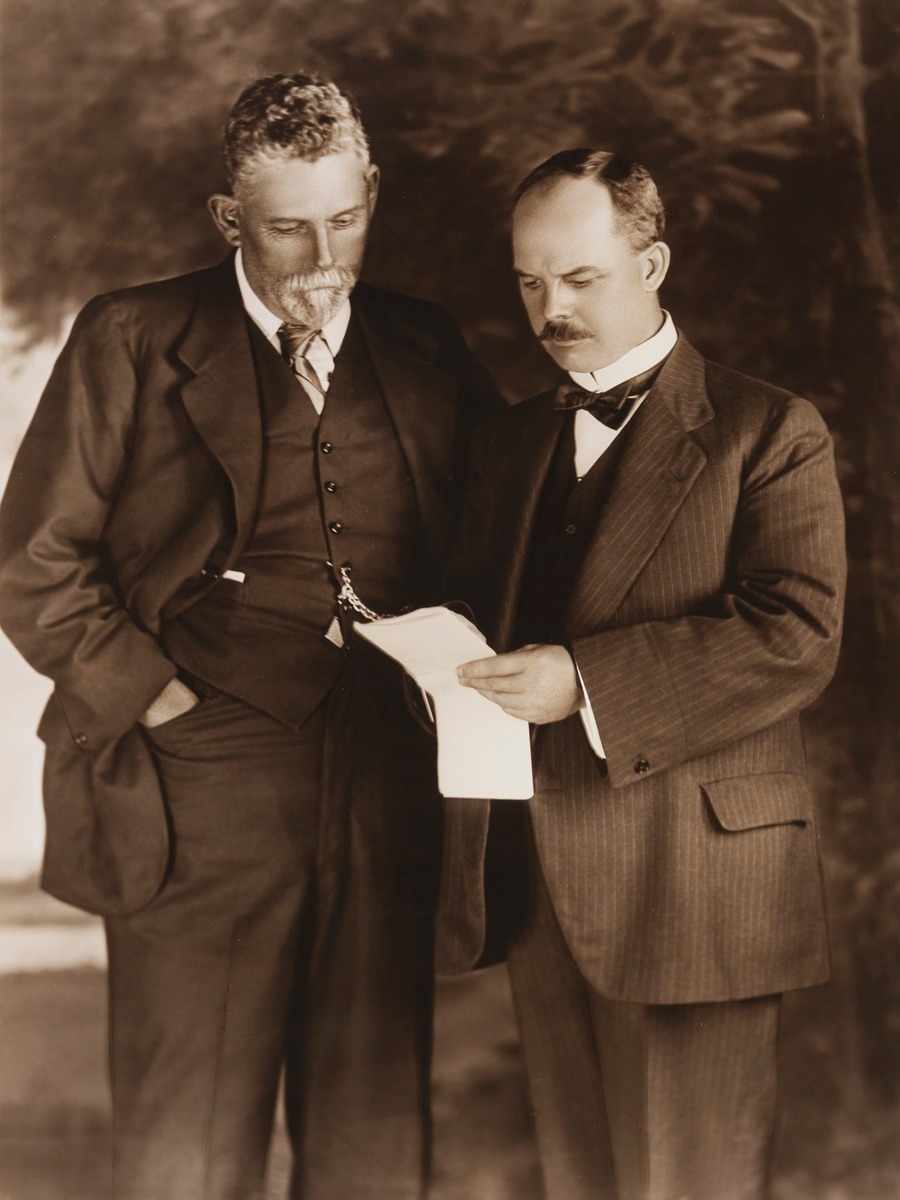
(593, 438)
(333, 334)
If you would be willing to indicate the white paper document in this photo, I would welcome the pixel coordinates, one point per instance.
(483, 752)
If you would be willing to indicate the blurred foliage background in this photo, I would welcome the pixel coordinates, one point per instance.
(772, 128)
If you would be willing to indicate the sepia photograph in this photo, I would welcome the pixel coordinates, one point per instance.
(450, 600)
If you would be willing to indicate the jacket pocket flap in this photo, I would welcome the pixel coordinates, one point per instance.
(751, 801)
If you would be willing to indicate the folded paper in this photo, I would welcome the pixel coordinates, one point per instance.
(483, 752)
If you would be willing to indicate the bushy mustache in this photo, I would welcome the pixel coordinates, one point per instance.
(340, 279)
(564, 331)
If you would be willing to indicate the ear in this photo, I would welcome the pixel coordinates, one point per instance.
(225, 211)
(656, 266)
(373, 177)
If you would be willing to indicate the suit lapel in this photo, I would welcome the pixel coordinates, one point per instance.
(529, 456)
(421, 399)
(222, 400)
(659, 465)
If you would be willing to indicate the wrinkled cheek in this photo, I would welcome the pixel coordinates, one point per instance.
(349, 252)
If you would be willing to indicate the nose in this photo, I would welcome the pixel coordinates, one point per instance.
(322, 249)
(557, 305)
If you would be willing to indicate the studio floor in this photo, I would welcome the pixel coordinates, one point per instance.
(54, 1130)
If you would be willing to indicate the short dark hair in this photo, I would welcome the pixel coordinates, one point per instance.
(290, 116)
(639, 211)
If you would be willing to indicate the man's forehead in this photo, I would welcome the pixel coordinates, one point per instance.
(565, 205)
(567, 198)
(571, 225)
(305, 182)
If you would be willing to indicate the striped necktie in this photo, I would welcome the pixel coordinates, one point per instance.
(308, 355)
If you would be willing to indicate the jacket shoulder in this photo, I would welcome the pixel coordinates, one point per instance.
(511, 426)
(426, 328)
(160, 304)
(741, 398)
(422, 314)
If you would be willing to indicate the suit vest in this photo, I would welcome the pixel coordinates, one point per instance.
(566, 517)
(335, 492)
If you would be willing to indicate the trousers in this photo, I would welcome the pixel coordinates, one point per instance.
(637, 1101)
(293, 931)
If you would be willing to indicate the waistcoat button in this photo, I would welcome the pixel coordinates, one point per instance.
(335, 526)
(330, 486)
(327, 447)
(641, 766)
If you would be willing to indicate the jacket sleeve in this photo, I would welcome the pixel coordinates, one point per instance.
(59, 602)
(664, 692)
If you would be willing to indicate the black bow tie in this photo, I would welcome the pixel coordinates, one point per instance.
(610, 408)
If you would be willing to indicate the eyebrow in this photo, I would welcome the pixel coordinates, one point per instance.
(345, 212)
(567, 274)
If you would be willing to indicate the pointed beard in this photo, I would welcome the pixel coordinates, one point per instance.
(314, 297)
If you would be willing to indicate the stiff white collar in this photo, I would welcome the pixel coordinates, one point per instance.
(635, 361)
(333, 333)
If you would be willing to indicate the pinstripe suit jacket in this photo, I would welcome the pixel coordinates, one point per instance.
(705, 617)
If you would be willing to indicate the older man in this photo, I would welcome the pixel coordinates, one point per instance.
(225, 470)
(656, 548)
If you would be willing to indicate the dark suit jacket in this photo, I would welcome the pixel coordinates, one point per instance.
(142, 465)
(705, 617)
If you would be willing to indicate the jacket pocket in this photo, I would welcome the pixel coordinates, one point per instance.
(753, 801)
(169, 730)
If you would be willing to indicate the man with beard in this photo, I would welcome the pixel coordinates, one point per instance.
(225, 471)
(656, 550)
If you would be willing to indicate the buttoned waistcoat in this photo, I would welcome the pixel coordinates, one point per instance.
(705, 616)
(141, 466)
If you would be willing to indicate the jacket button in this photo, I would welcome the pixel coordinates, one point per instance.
(571, 529)
(641, 766)
(335, 526)
(327, 447)
(81, 739)
(331, 486)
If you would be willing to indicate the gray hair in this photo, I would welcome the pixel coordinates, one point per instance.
(290, 116)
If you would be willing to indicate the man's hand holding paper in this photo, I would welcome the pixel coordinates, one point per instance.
(536, 683)
(483, 751)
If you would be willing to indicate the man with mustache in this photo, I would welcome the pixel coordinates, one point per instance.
(656, 550)
(226, 470)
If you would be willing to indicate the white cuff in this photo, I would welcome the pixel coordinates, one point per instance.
(588, 720)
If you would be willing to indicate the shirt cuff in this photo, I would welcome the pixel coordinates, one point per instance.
(588, 720)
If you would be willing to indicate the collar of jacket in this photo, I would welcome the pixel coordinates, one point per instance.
(419, 393)
(659, 464)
